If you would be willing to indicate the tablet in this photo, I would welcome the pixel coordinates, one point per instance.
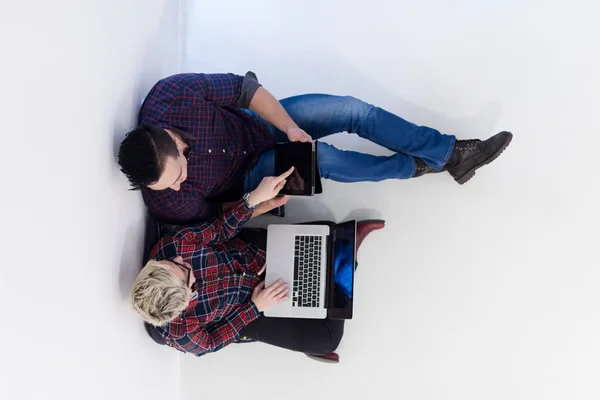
(302, 157)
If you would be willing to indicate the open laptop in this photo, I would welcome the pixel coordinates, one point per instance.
(317, 262)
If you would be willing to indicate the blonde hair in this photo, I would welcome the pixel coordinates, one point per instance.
(158, 295)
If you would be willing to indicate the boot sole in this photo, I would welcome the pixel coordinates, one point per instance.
(370, 221)
(323, 359)
(466, 177)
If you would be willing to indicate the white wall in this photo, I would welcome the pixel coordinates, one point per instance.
(486, 291)
(73, 74)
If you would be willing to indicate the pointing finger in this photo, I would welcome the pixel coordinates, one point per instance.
(285, 174)
(279, 186)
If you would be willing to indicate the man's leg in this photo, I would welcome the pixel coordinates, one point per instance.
(342, 166)
(351, 166)
(321, 115)
(425, 148)
(310, 336)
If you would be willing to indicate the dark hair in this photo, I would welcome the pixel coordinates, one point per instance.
(143, 154)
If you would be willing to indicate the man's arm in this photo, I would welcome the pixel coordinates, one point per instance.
(268, 107)
(243, 92)
(221, 89)
(200, 340)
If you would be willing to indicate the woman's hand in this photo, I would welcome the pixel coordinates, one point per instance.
(268, 188)
(265, 298)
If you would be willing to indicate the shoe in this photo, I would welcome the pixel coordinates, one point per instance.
(470, 155)
(331, 358)
(421, 168)
(363, 228)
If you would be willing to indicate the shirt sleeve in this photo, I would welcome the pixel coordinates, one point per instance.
(221, 229)
(200, 339)
(178, 207)
(249, 87)
(223, 89)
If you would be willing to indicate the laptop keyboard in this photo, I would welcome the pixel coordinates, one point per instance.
(307, 271)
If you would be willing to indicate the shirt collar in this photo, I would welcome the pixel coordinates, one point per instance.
(187, 137)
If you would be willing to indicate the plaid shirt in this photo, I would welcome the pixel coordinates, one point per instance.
(225, 140)
(226, 270)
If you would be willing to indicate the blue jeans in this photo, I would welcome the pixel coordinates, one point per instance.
(321, 115)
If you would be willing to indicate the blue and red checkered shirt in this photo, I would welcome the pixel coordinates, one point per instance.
(225, 140)
(226, 270)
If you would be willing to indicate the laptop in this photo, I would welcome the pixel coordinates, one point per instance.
(317, 262)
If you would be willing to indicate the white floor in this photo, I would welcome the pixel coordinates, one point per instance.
(485, 291)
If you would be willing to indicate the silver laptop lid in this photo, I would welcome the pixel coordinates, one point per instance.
(281, 246)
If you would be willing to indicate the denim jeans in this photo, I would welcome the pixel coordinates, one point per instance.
(321, 115)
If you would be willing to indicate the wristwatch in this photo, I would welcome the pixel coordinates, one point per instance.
(247, 203)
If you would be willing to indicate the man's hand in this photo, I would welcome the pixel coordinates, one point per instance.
(268, 188)
(298, 135)
(264, 104)
(266, 298)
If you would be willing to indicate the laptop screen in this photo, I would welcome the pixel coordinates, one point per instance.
(343, 264)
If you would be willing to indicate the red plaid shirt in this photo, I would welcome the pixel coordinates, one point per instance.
(226, 270)
(225, 140)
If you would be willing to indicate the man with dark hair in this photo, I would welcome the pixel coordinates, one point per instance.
(154, 146)
(206, 139)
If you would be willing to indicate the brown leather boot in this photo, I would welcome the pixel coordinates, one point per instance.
(470, 155)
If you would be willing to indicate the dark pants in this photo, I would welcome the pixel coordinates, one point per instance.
(313, 336)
